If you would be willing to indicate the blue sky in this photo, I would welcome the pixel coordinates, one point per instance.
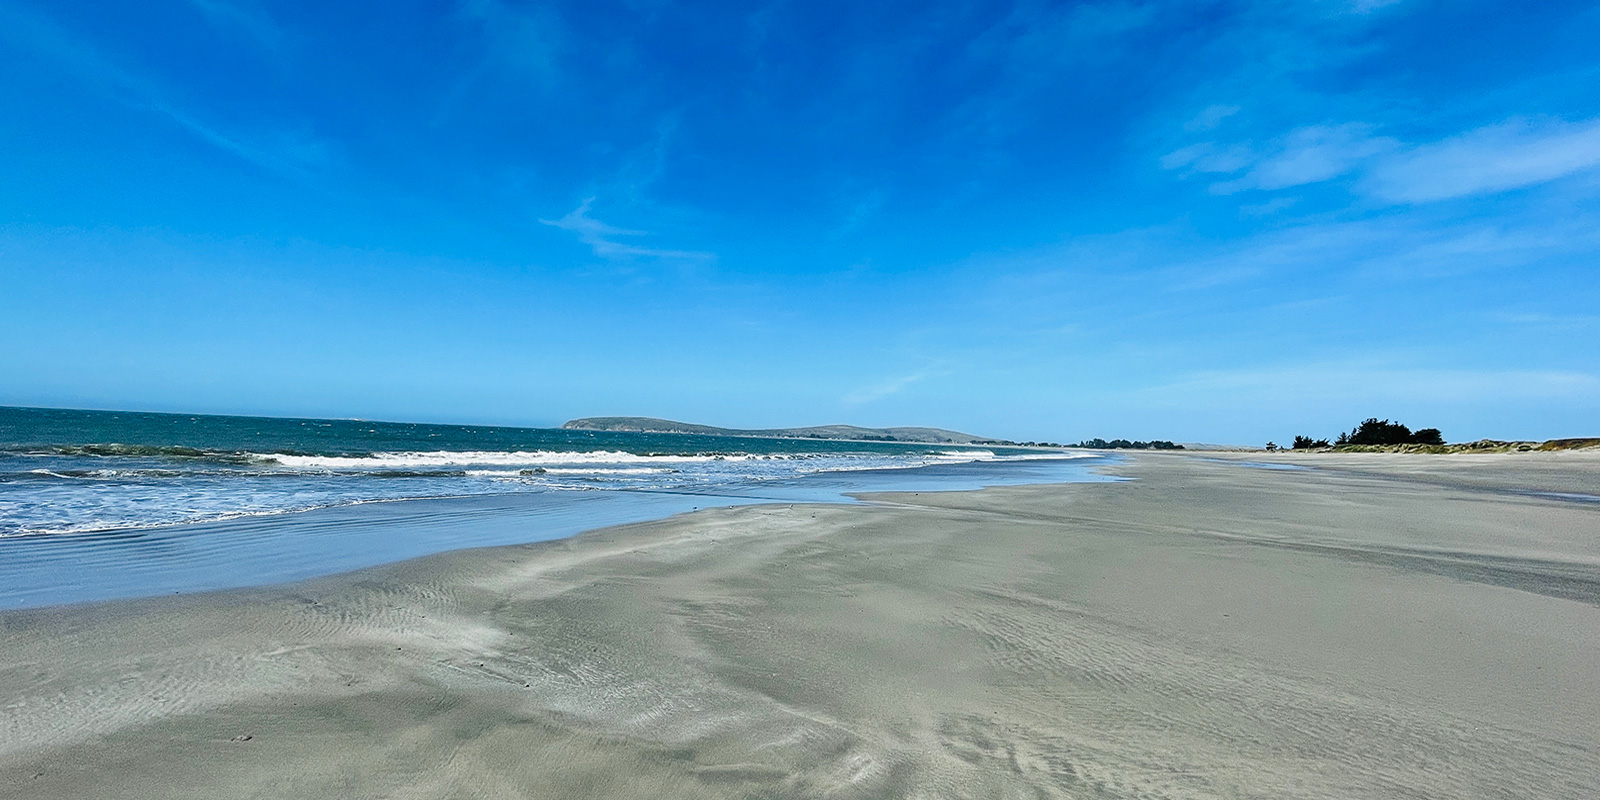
(1207, 221)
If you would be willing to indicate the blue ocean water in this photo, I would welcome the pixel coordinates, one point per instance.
(97, 505)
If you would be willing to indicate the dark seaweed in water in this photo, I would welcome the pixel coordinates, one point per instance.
(169, 451)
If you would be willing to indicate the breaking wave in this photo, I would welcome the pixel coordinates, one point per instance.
(90, 487)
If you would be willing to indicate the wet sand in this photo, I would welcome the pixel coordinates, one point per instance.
(1379, 626)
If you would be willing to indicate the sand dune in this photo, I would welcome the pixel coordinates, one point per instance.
(1382, 626)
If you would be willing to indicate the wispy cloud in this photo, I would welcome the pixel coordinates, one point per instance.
(1027, 52)
(887, 387)
(1210, 117)
(646, 164)
(1511, 155)
(1270, 207)
(602, 238)
(1136, 271)
(1209, 157)
(524, 38)
(1495, 158)
(1369, 6)
(1311, 154)
(1403, 248)
(1374, 382)
(246, 16)
(1548, 321)
(283, 151)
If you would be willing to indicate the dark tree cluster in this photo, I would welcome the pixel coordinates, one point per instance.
(1374, 431)
(1124, 444)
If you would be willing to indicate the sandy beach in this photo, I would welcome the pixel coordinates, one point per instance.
(1378, 626)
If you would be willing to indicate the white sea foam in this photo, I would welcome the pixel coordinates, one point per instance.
(107, 523)
(602, 471)
(955, 458)
(446, 458)
(544, 458)
(77, 493)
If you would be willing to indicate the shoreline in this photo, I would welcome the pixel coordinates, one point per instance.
(265, 549)
(1206, 629)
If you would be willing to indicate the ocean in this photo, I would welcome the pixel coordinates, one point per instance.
(108, 504)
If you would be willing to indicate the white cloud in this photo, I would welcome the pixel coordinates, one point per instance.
(1369, 6)
(1272, 206)
(601, 237)
(1312, 154)
(1399, 247)
(1314, 255)
(527, 38)
(1210, 118)
(1496, 158)
(1350, 382)
(886, 388)
(1549, 321)
(244, 15)
(1209, 157)
(286, 151)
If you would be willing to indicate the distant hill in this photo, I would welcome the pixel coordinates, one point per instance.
(653, 425)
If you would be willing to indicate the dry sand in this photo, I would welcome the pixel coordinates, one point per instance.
(1385, 626)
